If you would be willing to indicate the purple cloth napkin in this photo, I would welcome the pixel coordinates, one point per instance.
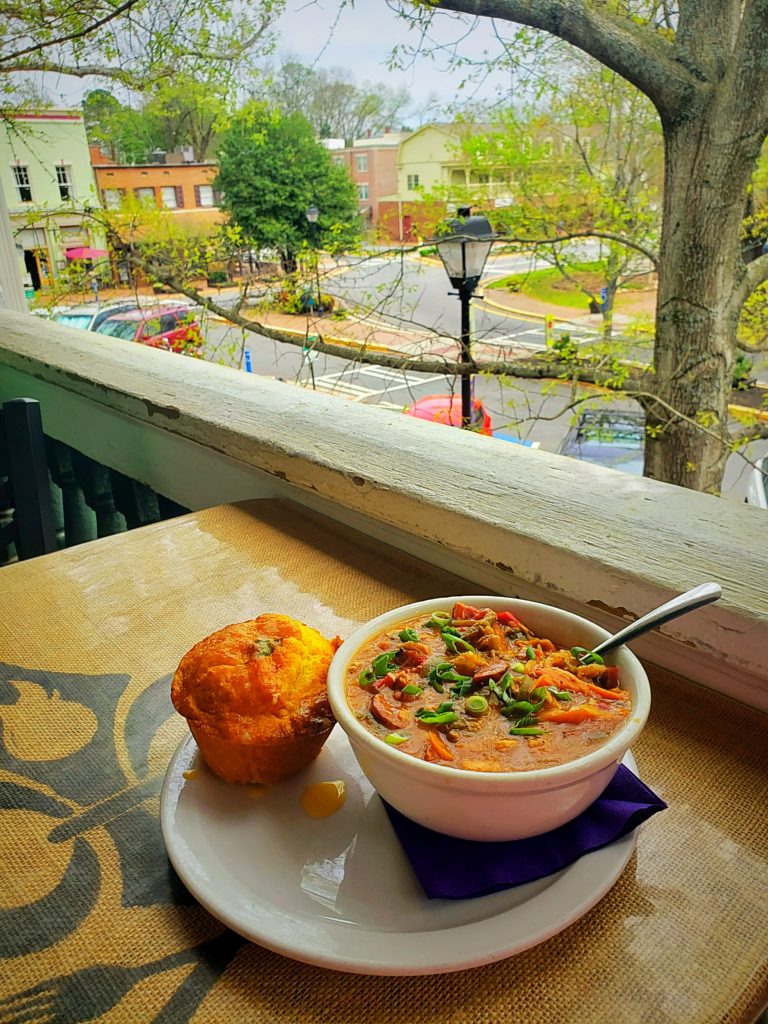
(458, 869)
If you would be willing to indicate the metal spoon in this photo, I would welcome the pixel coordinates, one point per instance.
(687, 602)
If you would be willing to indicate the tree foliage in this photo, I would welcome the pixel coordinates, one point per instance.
(271, 170)
(700, 63)
(331, 102)
(135, 42)
(584, 158)
(125, 134)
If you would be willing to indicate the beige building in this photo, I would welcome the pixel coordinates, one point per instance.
(430, 163)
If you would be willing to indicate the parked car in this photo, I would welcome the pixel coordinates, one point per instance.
(169, 327)
(91, 315)
(608, 437)
(447, 409)
(757, 485)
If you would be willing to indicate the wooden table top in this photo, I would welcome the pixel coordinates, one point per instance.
(94, 923)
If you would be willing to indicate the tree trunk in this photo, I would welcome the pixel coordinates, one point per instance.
(706, 177)
(288, 263)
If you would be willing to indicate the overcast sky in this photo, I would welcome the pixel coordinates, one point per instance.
(361, 39)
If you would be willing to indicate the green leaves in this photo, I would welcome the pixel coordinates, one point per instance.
(271, 168)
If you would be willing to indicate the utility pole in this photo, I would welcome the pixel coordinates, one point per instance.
(11, 286)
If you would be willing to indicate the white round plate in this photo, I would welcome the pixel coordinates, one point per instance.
(339, 892)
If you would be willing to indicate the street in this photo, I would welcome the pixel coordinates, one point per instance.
(406, 294)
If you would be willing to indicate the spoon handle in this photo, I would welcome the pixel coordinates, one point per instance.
(687, 602)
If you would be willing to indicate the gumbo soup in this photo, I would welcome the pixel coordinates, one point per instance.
(473, 688)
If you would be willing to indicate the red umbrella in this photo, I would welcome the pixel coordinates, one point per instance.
(85, 252)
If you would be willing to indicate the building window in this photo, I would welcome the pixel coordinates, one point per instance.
(339, 161)
(362, 190)
(168, 197)
(111, 198)
(361, 162)
(21, 180)
(204, 195)
(64, 181)
(479, 177)
(145, 195)
(413, 181)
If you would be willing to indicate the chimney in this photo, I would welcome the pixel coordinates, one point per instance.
(187, 154)
(158, 156)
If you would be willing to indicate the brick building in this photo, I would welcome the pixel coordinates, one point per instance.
(372, 165)
(171, 182)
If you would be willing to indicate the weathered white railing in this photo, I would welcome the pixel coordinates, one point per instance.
(509, 519)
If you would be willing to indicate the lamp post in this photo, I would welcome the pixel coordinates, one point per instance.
(463, 246)
(312, 213)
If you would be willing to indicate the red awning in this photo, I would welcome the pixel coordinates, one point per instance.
(85, 252)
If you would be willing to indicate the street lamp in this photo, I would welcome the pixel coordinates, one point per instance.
(312, 213)
(463, 246)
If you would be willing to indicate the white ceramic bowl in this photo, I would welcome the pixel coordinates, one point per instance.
(491, 805)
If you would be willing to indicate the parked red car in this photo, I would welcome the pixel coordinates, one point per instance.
(447, 409)
(170, 327)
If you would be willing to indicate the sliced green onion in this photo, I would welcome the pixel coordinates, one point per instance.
(500, 692)
(450, 630)
(396, 738)
(560, 694)
(456, 645)
(412, 689)
(520, 707)
(432, 716)
(408, 635)
(444, 672)
(447, 705)
(462, 689)
(586, 657)
(476, 704)
(438, 620)
(592, 659)
(383, 663)
(540, 693)
(526, 731)
(437, 686)
(530, 654)
(366, 677)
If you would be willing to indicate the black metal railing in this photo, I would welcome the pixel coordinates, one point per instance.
(43, 480)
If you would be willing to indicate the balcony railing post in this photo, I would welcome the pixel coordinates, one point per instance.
(136, 502)
(97, 488)
(79, 519)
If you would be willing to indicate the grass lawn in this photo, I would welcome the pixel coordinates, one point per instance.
(551, 287)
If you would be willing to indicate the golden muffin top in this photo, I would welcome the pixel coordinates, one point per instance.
(257, 680)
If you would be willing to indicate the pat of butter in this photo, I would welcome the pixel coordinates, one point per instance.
(323, 798)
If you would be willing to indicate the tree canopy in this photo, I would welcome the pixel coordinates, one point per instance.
(271, 170)
(331, 102)
(135, 42)
(700, 63)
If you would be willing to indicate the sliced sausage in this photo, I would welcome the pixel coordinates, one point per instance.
(386, 713)
(493, 671)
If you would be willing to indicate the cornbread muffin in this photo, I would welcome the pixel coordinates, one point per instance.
(254, 697)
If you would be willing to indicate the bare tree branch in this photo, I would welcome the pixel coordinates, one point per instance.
(633, 50)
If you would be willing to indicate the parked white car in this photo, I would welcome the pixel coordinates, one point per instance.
(757, 486)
